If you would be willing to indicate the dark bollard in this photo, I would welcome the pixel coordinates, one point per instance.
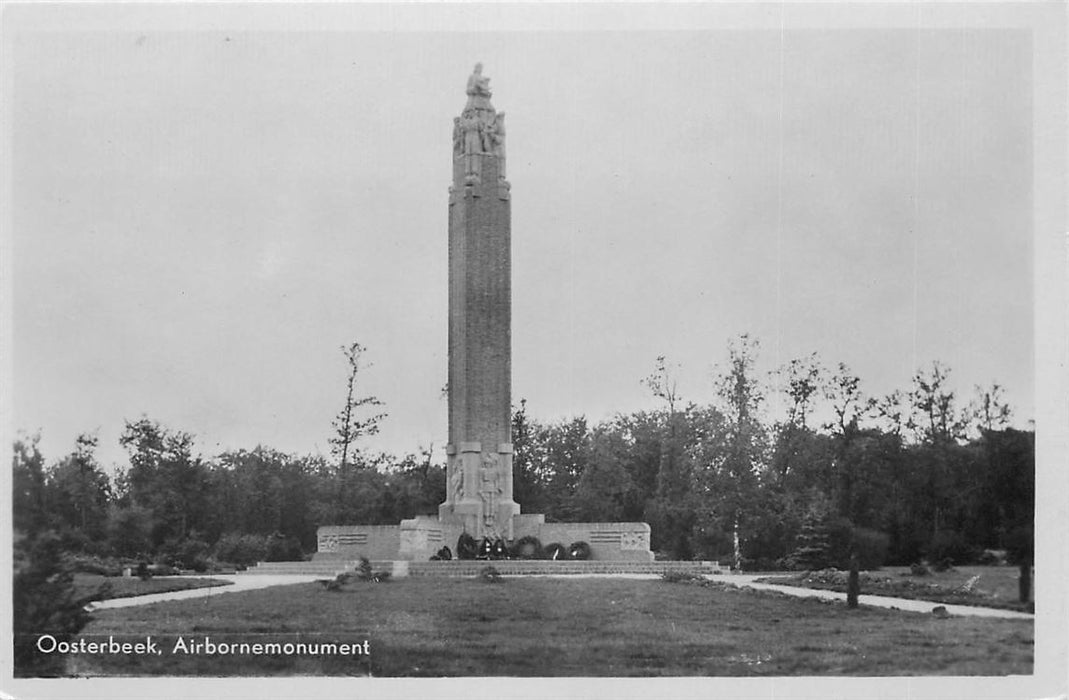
(853, 583)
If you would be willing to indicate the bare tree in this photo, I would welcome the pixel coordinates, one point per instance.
(349, 426)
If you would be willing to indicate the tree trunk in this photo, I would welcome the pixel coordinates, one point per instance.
(853, 584)
(1024, 582)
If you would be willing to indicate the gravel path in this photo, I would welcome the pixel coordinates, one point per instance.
(248, 582)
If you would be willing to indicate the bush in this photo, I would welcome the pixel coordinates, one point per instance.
(950, 545)
(918, 569)
(129, 531)
(282, 548)
(682, 577)
(528, 547)
(365, 573)
(242, 550)
(189, 553)
(489, 574)
(579, 551)
(45, 602)
(870, 545)
(992, 557)
(101, 566)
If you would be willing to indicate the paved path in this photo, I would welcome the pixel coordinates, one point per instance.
(239, 583)
(247, 582)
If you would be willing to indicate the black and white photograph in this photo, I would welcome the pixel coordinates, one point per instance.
(735, 365)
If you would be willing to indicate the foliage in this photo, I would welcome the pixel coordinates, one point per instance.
(489, 574)
(950, 546)
(896, 478)
(365, 573)
(45, 602)
(682, 577)
(242, 550)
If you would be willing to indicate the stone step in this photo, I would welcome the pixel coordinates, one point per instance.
(510, 567)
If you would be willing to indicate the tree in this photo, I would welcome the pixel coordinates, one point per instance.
(528, 487)
(741, 397)
(934, 417)
(989, 410)
(804, 381)
(165, 478)
(349, 426)
(79, 490)
(28, 484)
(45, 602)
(601, 495)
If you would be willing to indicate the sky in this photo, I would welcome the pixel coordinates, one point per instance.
(200, 219)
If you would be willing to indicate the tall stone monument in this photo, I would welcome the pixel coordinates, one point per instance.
(479, 462)
(478, 498)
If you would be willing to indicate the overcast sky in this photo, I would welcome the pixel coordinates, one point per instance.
(201, 218)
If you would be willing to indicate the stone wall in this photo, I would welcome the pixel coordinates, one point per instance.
(355, 541)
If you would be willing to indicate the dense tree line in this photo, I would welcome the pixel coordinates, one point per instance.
(915, 474)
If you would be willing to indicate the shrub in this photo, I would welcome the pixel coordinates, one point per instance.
(189, 553)
(489, 574)
(45, 602)
(579, 551)
(242, 550)
(364, 572)
(129, 531)
(918, 569)
(528, 547)
(682, 577)
(992, 557)
(950, 545)
(870, 545)
(102, 566)
(282, 548)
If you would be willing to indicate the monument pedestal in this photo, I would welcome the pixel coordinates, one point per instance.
(419, 538)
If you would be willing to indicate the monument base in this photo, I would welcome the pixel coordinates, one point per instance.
(419, 538)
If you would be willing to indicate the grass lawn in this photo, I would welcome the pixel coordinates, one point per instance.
(561, 627)
(996, 586)
(127, 586)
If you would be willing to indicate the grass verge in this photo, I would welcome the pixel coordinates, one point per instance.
(558, 627)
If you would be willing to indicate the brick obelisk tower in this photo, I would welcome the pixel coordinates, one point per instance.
(479, 462)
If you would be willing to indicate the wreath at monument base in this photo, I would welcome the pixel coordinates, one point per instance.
(443, 554)
(579, 551)
(555, 552)
(467, 547)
